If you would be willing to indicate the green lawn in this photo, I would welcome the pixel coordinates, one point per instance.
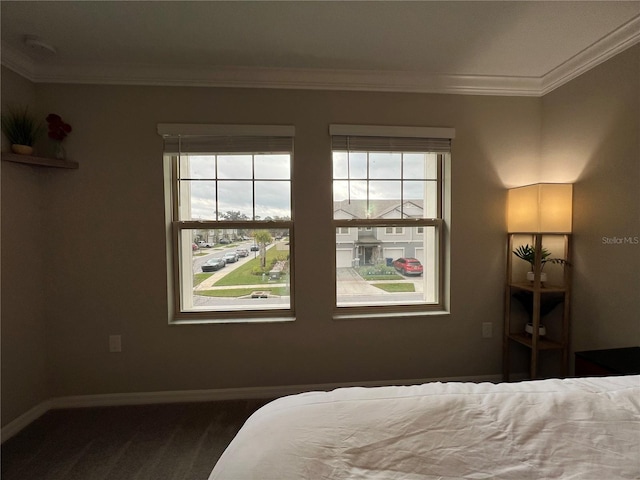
(198, 278)
(243, 276)
(240, 292)
(395, 287)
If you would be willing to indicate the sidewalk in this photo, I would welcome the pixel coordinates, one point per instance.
(348, 283)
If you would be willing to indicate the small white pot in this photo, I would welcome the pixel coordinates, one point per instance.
(543, 277)
(542, 331)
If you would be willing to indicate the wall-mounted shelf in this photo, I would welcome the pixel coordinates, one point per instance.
(38, 161)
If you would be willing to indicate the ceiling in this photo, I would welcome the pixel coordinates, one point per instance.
(475, 47)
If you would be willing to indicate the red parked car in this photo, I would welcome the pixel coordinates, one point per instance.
(408, 266)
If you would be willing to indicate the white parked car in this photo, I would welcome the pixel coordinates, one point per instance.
(203, 244)
(230, 257)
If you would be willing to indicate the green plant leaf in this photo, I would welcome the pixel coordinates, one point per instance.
(20, 127)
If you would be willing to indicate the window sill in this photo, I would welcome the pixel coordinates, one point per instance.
(183, 321)
(391, 315)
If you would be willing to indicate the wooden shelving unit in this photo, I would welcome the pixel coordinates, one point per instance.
(559, 286)
(39, 161)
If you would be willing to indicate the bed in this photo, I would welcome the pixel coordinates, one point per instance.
(587, 428)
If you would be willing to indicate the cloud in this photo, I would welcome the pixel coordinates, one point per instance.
(240, 182)
(390, 176)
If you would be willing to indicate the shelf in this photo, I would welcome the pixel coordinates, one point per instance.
(39, 161)
(537, 300)
(547, 289)
(543, 344)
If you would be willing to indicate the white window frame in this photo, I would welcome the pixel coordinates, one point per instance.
(175, 226)
(441, 223)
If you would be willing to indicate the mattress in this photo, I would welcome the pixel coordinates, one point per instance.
(580, 428)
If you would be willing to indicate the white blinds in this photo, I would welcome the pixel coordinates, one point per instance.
(390, 139)
(190, 138)
(390, 144)
(213, 144)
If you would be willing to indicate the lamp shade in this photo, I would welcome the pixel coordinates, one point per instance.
(540, 208)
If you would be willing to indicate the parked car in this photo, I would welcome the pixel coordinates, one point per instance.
(213, 264)
(204, 244)
(242, 252)
(194, 247)
(225, 241)
(408, 266)
(230, 257)
(254, 248)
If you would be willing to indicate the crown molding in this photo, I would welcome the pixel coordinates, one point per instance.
(617, 41)
(18, 62)
(323, 79)
(288, 78)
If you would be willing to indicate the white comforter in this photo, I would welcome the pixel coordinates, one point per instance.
(575, 428)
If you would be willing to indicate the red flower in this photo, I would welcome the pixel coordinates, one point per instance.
(58, 130)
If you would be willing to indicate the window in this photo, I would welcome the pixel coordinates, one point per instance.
(231, 235)
(389, 183)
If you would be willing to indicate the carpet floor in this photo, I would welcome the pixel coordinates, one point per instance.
(173, 442)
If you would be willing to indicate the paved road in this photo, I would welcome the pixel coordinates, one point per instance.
(199, 260)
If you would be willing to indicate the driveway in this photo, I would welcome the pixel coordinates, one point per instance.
(350, 283)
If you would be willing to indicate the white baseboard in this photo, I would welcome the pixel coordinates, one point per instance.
(13, 427)
(186, 396)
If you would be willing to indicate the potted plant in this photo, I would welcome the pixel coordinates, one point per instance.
(528, 254)
(21, 129)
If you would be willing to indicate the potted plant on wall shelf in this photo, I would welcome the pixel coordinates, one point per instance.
(21, 129)
(528, 254)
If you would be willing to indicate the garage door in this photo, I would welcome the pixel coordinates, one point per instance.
(420, 254)
(393, 252)
(343, 258)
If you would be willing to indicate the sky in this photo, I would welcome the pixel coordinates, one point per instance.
(263, 181)
(242, 181)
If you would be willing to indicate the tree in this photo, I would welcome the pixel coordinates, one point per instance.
(262, 239)
(233, 215)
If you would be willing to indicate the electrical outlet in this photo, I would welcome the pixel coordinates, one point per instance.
(487, 330)
(115, 343)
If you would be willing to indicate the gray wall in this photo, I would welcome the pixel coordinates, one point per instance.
(24, 264)
(591, 136)
(105, 252)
